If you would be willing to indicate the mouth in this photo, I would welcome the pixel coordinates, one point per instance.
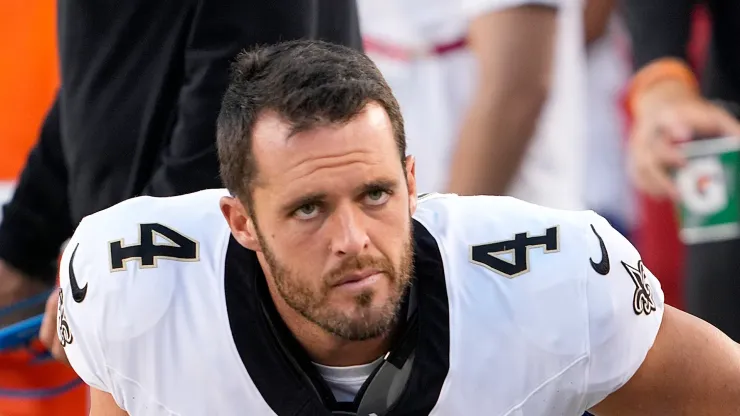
(357, 277)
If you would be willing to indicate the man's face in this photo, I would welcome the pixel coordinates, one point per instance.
(332, 214)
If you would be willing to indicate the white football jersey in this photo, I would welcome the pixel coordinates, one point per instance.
(523, 310)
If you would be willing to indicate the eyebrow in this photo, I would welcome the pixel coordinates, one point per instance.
(380, 184)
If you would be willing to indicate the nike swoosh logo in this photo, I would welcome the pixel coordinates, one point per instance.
(603, 266)
(78, 294)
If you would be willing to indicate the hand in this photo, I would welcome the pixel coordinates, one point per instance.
(48, 332)
(657, 132)
(15, 287)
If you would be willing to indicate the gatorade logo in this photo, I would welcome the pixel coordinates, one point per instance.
(703, 186)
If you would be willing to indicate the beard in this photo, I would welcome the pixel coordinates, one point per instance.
(365, 321)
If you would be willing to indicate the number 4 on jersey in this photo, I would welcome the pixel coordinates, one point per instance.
(486, 255)
(148, 251)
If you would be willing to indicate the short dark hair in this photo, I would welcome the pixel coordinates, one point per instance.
(308, 83)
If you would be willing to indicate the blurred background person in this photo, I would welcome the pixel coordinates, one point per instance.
(141, 86)
(472, 78)
(494, 95)
(670, 104)
(656, 229)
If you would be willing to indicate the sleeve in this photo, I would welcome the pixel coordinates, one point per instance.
(79, 312)
(625, 308)
(219, 31)
(658, 28)
(36, 221)
(474, 8)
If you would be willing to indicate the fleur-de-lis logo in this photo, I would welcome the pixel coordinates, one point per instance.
(642, 302)
(63, 332)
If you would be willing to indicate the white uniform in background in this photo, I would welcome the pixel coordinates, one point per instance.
(523, 310)
(607, 187)
(435, 89)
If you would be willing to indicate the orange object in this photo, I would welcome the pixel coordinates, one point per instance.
(32, 386)
(659, 70)
(29, 78)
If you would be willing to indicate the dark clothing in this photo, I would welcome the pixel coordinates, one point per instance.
(660, 28)
(142, 83)
(712, 289)
(37, 220)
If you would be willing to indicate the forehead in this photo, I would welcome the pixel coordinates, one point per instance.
(363, 148)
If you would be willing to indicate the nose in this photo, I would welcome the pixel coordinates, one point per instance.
(349, 234)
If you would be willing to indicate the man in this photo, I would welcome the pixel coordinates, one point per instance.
(319, 282)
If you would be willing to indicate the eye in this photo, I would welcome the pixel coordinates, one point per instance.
(306, 212)
(377, 197)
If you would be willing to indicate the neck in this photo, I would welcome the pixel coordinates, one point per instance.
(330, 350)
(325, 348)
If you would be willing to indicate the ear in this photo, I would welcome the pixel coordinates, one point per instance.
(242, 227)
(411, 183)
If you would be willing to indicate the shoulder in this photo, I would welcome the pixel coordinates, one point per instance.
(558, 281)
(139, 228)
(513, 238)
(123, 264)
(492, 221)
(625, 311)
(183, 209)
(515, 275)
(514, 252)
(122, 268)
